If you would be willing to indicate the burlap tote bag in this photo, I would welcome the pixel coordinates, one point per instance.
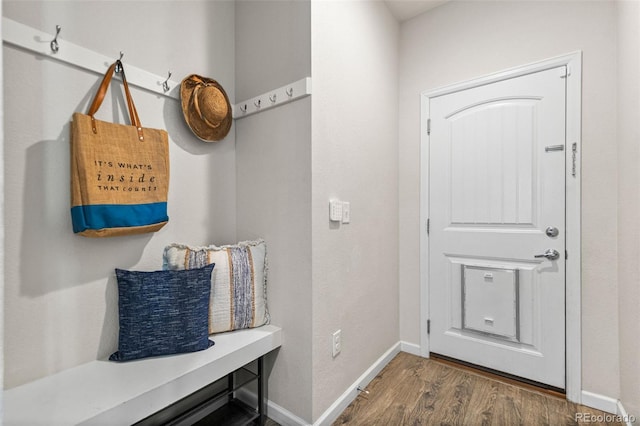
(119, 173)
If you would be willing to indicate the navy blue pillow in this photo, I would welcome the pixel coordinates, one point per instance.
(163, 312)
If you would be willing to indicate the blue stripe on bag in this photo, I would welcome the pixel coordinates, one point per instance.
(101, 216)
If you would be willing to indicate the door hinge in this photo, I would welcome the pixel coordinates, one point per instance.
(428, 326)
(428, 225)
(428, 126)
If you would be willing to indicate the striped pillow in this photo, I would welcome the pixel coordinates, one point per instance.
(238, 282)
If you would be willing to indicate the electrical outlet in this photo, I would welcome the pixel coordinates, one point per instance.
(336, 344)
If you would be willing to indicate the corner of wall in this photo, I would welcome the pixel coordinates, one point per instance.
(628, 108)
(2, 248)
(273, 173)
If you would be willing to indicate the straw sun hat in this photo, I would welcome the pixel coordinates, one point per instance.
(206, 108)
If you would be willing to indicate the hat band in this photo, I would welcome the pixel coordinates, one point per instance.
(196, 106)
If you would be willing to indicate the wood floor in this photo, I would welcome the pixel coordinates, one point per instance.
(415, 391)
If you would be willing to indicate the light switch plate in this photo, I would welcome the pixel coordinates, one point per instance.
(336, 343)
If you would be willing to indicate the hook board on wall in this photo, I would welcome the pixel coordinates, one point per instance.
(282, 95)
(49, 45)
(45, 44)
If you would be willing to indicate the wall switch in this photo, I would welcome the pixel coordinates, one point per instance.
(336, 343)
(335, 210)
(346, 212)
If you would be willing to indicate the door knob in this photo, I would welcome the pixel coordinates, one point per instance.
(550, 254)
(552, 232)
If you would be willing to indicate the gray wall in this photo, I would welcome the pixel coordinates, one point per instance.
(629, 202)
(355, 159)
(462, 40)
(273, 44)
(273, 152)
(274, 202)
(61, 297)
(2, 250)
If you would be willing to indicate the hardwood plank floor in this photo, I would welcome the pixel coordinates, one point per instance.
(415, 391)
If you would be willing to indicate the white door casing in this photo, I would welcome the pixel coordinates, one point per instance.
(491, 201)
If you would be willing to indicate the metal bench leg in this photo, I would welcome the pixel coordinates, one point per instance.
(230, 386)
(261, 411)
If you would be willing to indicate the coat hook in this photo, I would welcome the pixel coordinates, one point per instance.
(165, 85)
(54, 43)
(289, 91)
(118, 68)
(272, 98)
(257, 103)
(243, 108)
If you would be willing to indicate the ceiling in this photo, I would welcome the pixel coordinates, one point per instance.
(407, 9)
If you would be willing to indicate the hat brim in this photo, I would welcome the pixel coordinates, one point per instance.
(198, 126)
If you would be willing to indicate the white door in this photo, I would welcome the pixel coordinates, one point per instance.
(496, 206)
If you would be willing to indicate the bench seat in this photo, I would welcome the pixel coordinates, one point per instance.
(106, 392)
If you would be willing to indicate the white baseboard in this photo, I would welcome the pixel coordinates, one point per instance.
(287, 418)
(334, 411)
(600, 402)
(625, 417)
(410, 348)
(608, 405)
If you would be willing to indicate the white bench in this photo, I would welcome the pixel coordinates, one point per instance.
(106, 392)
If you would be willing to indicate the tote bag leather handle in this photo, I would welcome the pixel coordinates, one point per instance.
(102, 91)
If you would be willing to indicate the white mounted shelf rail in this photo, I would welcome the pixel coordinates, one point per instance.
(39, 42)
(282, 95)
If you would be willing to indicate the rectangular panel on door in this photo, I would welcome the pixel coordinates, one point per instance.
(490, 302)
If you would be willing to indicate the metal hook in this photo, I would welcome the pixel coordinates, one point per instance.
(289, 91)
(165, 85)
(257, 103)
(272, 98)
(54, 43)
(118, 68)
(243, 108)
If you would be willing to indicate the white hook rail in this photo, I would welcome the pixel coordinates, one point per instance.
(282, 95)
(40, 42)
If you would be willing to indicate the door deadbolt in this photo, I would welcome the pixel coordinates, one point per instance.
(552, 232)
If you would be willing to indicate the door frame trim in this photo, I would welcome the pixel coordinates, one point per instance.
(573, 320)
